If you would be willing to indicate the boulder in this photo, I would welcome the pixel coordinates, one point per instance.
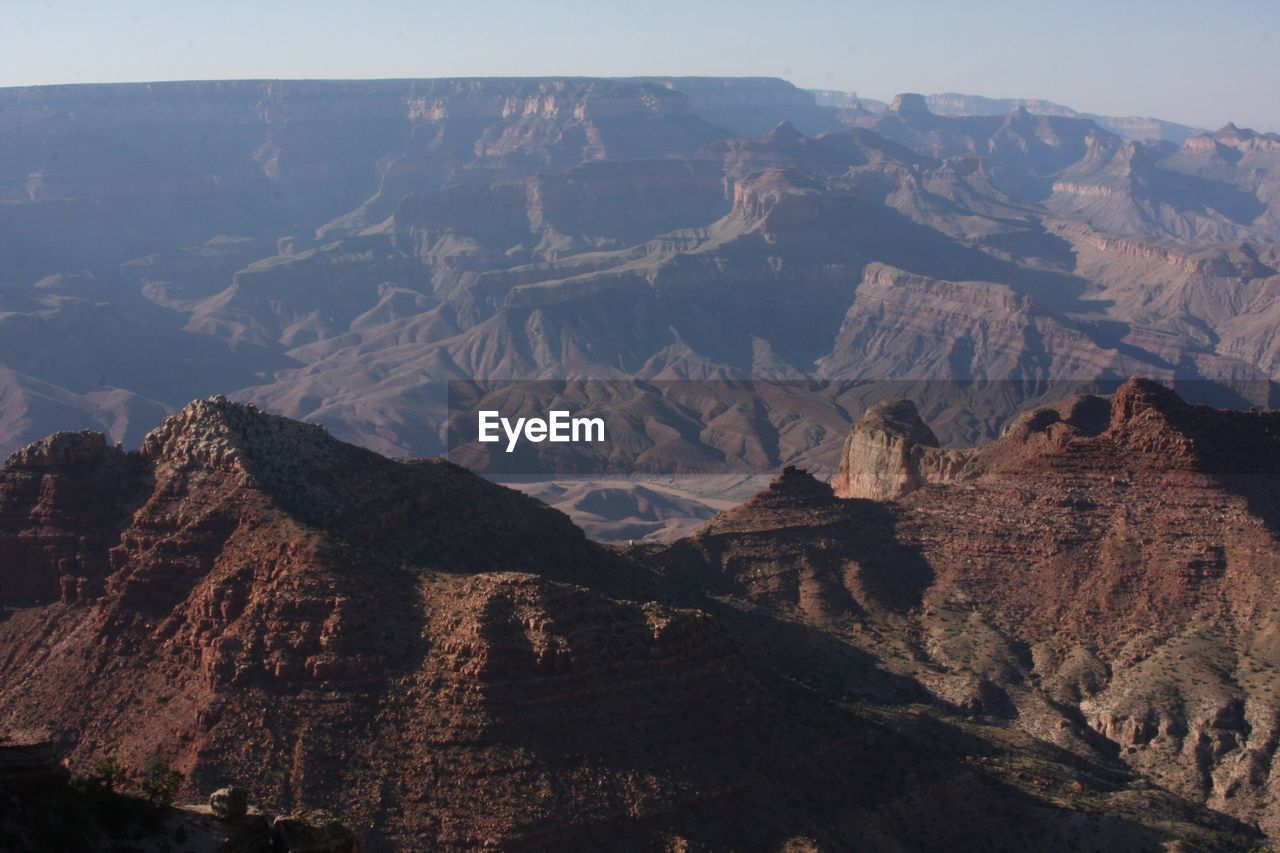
(230, 803)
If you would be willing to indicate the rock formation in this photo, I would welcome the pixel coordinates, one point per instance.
(891, 452)
(909, 102)
(659, 227)
(229, 803)
(445, 663)
(336, 251)
(29, 761)
(1102, 576)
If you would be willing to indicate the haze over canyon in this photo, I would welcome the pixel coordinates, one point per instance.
(336, 251)
(939, 506)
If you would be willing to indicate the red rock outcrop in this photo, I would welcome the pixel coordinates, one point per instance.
(29, 761)
(337, 630)
(64, 502)
(250, 557)
(1160, 516)
(891, 452)
(448, 664)
(1104, 574)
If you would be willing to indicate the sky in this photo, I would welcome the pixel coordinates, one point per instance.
(1200, 63)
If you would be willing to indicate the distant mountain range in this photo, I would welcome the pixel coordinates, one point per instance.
(1142, 129)
(336, 251)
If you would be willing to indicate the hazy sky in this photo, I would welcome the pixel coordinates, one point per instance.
(1202, 62)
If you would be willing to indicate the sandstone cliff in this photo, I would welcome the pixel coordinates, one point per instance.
(448, 664)
(1101, 577)
(891, 452)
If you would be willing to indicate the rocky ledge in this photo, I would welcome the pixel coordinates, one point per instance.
(891, 452)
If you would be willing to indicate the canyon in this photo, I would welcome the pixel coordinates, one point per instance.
(1067, 636)
(938, 503)
(338, 251)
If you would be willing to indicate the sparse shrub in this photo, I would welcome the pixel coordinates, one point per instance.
(99, 795)
(160, 782)
(107, 774)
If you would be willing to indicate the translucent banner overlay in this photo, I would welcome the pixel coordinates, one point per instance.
(624, 427)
